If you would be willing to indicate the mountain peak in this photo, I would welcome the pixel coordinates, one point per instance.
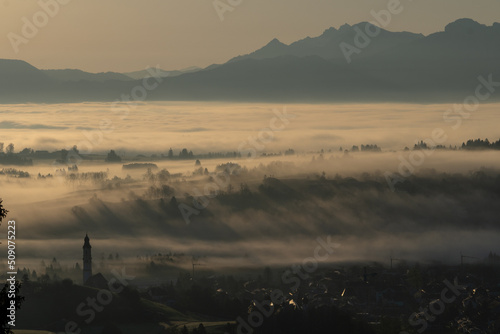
(16, 65)
(275, 42)
(345, 27)
(464, 26)
(329, 32)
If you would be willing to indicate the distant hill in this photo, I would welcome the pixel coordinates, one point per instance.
(392, 66)
(137, 75)
(21, 82)
(78, 75)
(14, 71)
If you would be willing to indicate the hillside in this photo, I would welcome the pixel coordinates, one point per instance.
(53, 305)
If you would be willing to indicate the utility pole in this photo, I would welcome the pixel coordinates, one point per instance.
(462, 257)
(195, 264)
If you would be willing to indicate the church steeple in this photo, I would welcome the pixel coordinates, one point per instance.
(86, 241)
(87, 259)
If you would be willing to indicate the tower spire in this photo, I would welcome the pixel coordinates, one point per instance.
(87, 259)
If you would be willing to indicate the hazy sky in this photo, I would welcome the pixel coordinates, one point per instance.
(126, 35)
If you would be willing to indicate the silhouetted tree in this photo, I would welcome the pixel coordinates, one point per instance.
(173, 202)
(200, 330)
(421, 146)
(113, 157)
(159, 192)
(479, 144)
(163, 175)
(64, 156)
(3, 212)
(10, 148)
(184, 153)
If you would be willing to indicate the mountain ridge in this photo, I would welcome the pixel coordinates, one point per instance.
(394, 66)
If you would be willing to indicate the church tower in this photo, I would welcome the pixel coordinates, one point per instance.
(87, 259)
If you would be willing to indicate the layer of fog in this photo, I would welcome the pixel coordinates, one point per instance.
(208, 127)
(54, 214)
(368, 220)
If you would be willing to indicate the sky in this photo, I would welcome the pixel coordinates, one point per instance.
(130, 35)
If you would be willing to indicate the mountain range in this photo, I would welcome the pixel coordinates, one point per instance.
(348, 64)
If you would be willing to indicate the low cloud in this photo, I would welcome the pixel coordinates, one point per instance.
(17, 125)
